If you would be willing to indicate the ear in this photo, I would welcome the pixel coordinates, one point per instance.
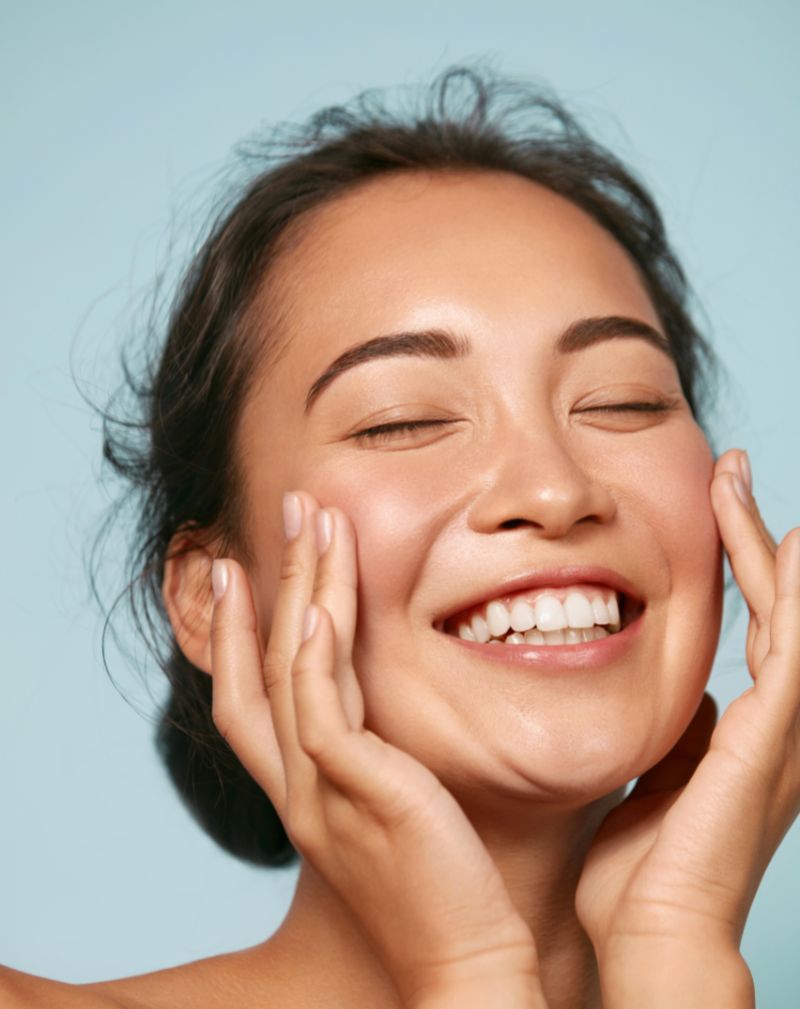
(188, 598)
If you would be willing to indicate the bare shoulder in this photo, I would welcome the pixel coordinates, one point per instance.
(25, 991)
(249, 979)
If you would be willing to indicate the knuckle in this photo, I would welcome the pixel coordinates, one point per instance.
(292, 567)
(302, 828)
(325, 579)
(314, 740)
(274, 669)
(223, 635)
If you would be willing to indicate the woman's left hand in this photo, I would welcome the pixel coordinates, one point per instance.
(676, 865)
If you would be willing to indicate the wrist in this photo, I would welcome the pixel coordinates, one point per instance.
(664, 972)
(510, 993)
(512, 982)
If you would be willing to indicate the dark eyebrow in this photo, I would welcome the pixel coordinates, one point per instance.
(586, 332)
(438, 343)
(444, 345)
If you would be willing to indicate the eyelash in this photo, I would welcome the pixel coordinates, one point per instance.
(384, 432)
(645, 406)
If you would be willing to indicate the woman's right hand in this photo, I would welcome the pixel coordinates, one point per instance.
(375, 823)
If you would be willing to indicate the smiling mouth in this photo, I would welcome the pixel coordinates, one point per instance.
(575, 614)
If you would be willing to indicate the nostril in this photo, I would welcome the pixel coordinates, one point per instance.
(513, 523)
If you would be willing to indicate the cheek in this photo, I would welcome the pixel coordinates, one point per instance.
(391, 517)
(675, 483)
(676, 493)
(390, 510)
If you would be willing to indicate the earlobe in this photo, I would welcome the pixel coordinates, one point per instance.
(188, 598)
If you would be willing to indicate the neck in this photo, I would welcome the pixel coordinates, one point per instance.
(538, 850)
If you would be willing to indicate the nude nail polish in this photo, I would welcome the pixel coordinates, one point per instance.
(292, 515)
(310, 620)
(738, 486)
(746, 472)
(324, 525)
(219, 578)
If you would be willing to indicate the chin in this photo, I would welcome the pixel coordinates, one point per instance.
(530, 770)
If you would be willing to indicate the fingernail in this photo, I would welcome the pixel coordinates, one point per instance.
(746, 472)
(324, 530)
(739, 487)
(310, 619)
(292, 515)
(219, 578)
(797, 553)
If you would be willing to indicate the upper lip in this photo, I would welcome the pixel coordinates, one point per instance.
(576, 574)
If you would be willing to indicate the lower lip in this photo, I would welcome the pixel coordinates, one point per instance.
(559, 658)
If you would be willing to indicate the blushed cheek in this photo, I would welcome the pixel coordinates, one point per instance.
(392, 521)
(680, 508)
(693, 470)
(397, 518)
(391, 518)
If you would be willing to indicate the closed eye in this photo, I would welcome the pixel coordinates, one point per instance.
(626, 416)
(383, 432)
(657, 406)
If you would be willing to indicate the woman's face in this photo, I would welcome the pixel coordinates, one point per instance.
(528, 477)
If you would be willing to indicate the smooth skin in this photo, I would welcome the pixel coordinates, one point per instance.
(449, 809)
(672, 873)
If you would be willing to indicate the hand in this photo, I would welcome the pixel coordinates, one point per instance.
(372, 821)
(680, 859)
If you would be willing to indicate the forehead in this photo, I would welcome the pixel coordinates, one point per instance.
(410, 242)
(483, 252)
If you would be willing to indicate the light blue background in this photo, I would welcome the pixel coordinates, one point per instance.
(115, 119)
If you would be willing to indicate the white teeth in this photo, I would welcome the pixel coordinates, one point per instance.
(600, 611)
(480, 629)
(497, 619)
(543, 622)
(523, 617)
(578, 610)
(550, 615)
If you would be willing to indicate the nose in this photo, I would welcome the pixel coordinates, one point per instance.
(538, 481)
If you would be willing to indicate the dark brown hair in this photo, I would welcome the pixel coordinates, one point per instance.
(174, 445)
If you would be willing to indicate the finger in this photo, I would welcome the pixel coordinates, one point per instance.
(359, 764)
(675, 769)
(780, 672)
(752, 561)
(335, 589)
(320, 715)
(736, 462)
(761, 525)
(348, 758)
(298, 568)
(239, 704)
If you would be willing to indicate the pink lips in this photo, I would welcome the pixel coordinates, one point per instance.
(558, 658)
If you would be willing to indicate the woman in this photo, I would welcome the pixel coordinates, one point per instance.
(426, 502)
